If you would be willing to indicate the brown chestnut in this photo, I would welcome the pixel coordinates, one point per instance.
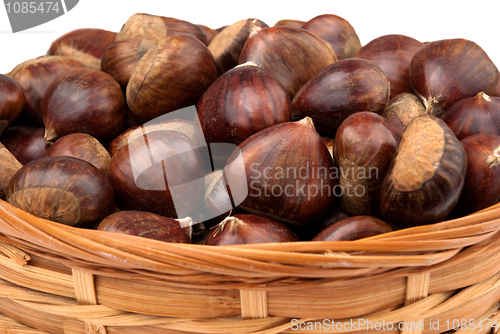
(241, 102)
(283, 172)
(120, 57)
(474, 115)
(25, 142)
(364, 145)
(62, 189)
(84, 101)
(172, 75)
(86, 45)
(339, 90)
(146, 225)
(34, 76)
(226, 46)
(271, 48)
(446, 71)
(426, 176)
(249, 229)
(337, 31)
(157, 28)
(209, 33)
(353, 228)
(12, 101)
(82, 146)
(10, 165)
(402, 109)
(393, 54)
(160, 172)
(289, 23)
(482, 180)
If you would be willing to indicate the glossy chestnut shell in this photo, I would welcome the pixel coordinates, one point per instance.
(249, 229)
(172, 75)
(283, 172)
(364, 145)
(474, 115)
(446, 71)
(241, 102)
(84, 101)
(146, 225)
(426, 176)
(12, 101)
(339, 90)
(270, 49)
(25, 142)
(393, 54)
(353, 228)
(62, 189)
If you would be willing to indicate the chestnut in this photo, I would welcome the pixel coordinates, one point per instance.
(353, 228)
(209, 33)
(474, 115)
(289, 23)
(330, 144)
(12, 101)
(482, 179)
(84, 101)
(120, 57)
(337, 31)
(446, 71)
(426, 176)
(86, 45)
(160, 172)
(283, 172)
(393, 54)
(82, 146)
(146, 225)
(34, 76)
(170, 76)
(270, 49)
(401, 109)
(226, 46)
(62, 189)
(339, 90)
(10, 165)
(241, 102)
(249, 229)
(362, 167)
(334, 215)
(157, 28)
(25, 142)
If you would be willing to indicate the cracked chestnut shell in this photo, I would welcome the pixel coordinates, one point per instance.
(147, 225)
(270, 48)
(364, 146)
(474, 115)
(12, 101)
(226, 46)
(172, 75)
(84, 101)
(62, 189)
(249, 229)
(426, 176)
(337, 31)
(446, 71)
(284, 173)
(241, 102)
(86, 45)
(353, 228)
(339, 90)
(35, 76)
(482, 180)
(157, 28)
(393, 54)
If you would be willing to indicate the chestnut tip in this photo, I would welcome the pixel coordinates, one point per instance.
(229, 220)
(494, 159)
(254, 29)
(307, 122)
(50, 136)
(248, 63)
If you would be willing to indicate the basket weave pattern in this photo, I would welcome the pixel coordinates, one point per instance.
(60, 279)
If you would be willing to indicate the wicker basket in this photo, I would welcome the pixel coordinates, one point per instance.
(60, 279)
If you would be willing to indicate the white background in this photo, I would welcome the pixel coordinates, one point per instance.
(423, 20)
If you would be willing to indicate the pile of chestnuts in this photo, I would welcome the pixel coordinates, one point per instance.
(250, 133)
